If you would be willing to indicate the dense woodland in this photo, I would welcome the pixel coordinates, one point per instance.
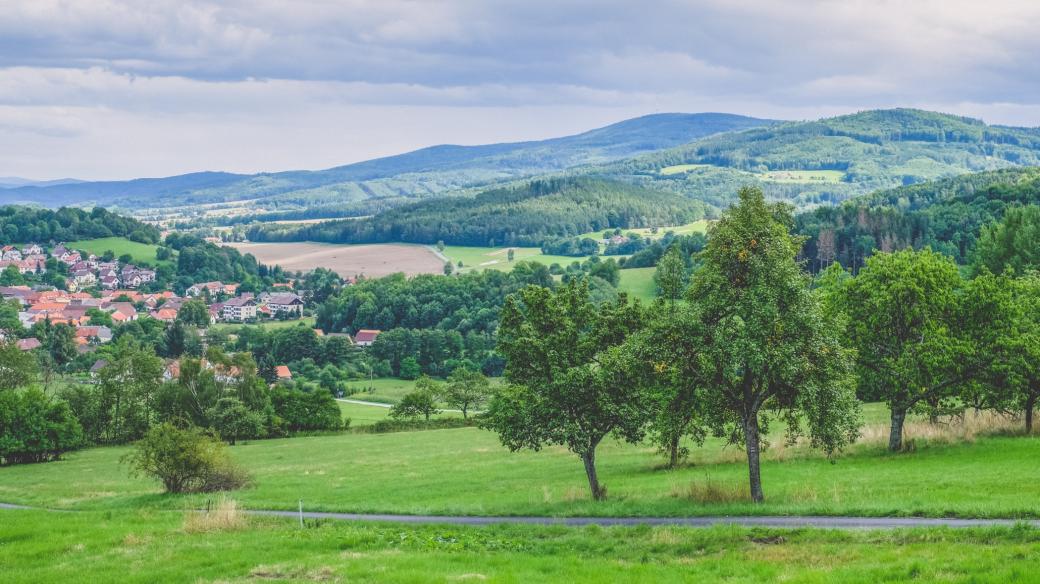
(527, 215)
(946, 215)
(20, 224)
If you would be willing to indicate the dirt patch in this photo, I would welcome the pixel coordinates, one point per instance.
(372, 261)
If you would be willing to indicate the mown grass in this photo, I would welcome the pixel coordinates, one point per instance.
(681, 168)
(466, 471)
(140, 252)
(804, 176)
(382, 389)
(150, 546)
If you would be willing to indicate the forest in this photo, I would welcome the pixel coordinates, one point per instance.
(946, 215)
(19, 224)
(526, 215)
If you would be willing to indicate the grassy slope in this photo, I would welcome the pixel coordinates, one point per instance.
(155, 547)
(638, 283)
(466, 471)
(141, 252)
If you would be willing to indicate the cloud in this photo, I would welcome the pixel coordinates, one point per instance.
(246, 72)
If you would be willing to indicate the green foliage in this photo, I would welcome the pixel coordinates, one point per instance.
(194, 313)
(756, 340)
(945, 215)
(672, 275)
(10, 276)
(185, 460)
(569, 383)
(28, 224)
(468, 302)
(466, 389)
(302, 411)
(35, 428)
(234, 421)
(17, 368)
(527, 215)
(421, 401)
(923, 335)
(1013, 243)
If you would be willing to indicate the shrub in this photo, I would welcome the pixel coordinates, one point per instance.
(186, 460)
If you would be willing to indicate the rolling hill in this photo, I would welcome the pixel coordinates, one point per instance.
(421, 173)
(828, 161)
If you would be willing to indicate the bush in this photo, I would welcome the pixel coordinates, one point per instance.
(303, 411)
(391, 425)
(186, 460)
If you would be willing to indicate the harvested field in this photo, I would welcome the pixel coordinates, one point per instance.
(347, 260)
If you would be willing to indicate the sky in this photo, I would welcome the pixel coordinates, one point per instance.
(114, 89)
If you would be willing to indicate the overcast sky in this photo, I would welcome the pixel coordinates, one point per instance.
(116, 89)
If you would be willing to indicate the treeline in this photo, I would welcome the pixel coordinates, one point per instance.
(201, 261)
(132, 392)
(20, 224)
(464, 303)
(946, 215)
(527, 216)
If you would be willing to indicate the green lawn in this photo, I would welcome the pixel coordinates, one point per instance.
(361, 415)
(700, 226)
(307, 321)
(146, 547)
(638, 283)
(383, 389)
(467, 471)
(497, 258)
(141, 252)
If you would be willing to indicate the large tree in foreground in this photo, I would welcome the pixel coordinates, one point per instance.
(758, 345)
(569, 381)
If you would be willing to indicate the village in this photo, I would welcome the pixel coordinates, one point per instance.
(114, 288)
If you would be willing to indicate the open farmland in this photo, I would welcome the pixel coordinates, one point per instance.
(347, 260)
(140, 252)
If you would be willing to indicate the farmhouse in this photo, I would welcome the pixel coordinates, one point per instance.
(365, 337)
(29, 344)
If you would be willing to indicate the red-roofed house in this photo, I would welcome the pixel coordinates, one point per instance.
(282, 373)
(365, 337)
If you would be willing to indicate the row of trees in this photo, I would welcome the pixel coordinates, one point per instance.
(757, 341)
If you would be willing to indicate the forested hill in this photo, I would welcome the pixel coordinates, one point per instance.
(31, 225)
(946, 215)
(524, 215)
(415, 174)
(834, 159)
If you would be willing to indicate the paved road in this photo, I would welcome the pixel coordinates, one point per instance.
(784, 522)
(364, 403)
(792, 521)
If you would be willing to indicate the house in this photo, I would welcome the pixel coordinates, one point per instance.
(365, 337)
(164, 314)
(212, 288)
(84, 278)
(286, 303)
(239, 308)
(29, 344)
(10, 252)
(31, 250)
(122, 311)
(109, 282)
(97, 367)
(133, 277)
(103, 334)
(282, 373)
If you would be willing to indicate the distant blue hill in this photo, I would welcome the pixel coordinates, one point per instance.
(417, 174)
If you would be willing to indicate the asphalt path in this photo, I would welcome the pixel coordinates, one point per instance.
(787, 521)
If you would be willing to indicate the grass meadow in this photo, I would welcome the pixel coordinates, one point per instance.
(176, 546)
(141, 252)
(951, 472)
(638, 283)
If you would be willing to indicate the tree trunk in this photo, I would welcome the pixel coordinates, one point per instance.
(464, 416)
(1030, 406)
(895, 435)
(589, 458)
(754, 469)
(673, 450)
